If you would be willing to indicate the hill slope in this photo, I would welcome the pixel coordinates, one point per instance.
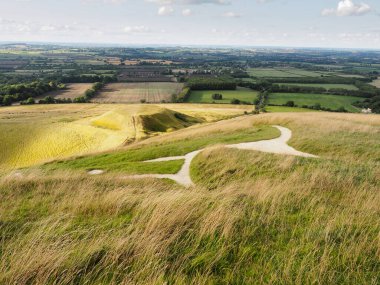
(252, 218)
(36, 134)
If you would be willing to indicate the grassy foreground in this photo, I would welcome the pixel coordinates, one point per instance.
(253, 218)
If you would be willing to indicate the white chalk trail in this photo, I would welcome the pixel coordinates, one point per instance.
(276, 146)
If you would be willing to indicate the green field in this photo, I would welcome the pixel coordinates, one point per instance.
(243, 94)
(326, 86)
(328, 101)
(283, 72)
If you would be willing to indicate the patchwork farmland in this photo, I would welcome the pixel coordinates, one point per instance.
(138, 92)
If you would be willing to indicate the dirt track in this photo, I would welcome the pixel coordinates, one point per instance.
(277, 146)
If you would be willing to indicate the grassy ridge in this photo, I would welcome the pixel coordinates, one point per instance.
(253, 218)
(36, 134)
(328, 101)
(130, 160)
(40, 133)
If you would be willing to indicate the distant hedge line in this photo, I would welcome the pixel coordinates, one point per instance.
(20, 92)
(182, 96)
(211, 83)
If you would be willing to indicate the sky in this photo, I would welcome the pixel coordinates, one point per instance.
(294, 23)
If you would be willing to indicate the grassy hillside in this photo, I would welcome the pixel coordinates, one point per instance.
(328, 101)
(34, 134)
(252, 218)
(130, 159)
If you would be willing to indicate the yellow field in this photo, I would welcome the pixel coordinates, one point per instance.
(35, 134)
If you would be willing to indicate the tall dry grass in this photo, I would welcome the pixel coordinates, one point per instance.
(254, 218)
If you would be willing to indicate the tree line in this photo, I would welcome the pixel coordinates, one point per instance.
(371, 103)
(182, 96)
(87, 78)
(10, 93)
(211, 83)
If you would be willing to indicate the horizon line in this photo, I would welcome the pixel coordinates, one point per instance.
(123, 45)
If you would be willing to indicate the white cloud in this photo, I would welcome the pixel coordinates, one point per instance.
(347, 8)
(104, 1)
(187, 12)
(189, 2)
(165, 10)
(136, 29)
(231, 15)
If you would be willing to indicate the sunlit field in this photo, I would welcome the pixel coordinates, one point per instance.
(36, 134)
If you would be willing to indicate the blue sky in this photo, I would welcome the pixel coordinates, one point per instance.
(301, 23)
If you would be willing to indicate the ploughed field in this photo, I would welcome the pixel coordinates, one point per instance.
(156, 92)
(72, 91)
(333, 102)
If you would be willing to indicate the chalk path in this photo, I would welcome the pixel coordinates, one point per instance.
(277, 146)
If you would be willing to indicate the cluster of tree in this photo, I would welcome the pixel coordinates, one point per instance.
(371, 103)
(29, 101)
(239, 102)
(211, 83)
(182, 96)
(237, 73)
(87, 78)
(21, 92)
(261, 101)
(51, 100)
(259, 85)
(217, 96)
